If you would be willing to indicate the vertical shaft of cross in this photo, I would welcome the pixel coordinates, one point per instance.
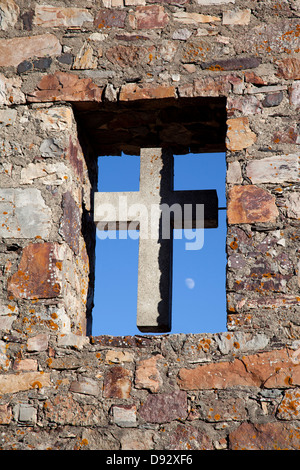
(155, 252)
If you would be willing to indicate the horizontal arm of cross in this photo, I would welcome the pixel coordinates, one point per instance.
(188, 201)
(115, 210)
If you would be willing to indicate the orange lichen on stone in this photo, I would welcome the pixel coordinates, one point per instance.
(204, 344)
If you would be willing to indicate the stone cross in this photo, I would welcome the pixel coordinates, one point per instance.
(155, 209)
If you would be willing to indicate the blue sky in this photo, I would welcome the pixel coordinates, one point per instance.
(198, 293)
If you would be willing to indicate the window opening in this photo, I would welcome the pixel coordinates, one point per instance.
(198, 288)
(119, 173)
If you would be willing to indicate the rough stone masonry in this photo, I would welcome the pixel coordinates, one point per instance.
(78, 79)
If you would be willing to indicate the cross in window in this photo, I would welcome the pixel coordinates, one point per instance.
(155, 210)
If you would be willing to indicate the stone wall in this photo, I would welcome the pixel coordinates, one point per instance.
(62, 62)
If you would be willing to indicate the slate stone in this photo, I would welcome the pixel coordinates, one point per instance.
(66, 58)
(27, 18)
(24, 66)
(239, 63)
(42, 64)
(49, 148)
(273, 99)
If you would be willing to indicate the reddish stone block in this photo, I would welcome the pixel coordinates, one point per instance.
(274, 369)
(147, 374)
(165, 407)
(266, 436)
(271, 302)
(251, 77)
(289, 68)
(132, 91)
(16, 50)
(110, 19)
(38, 276)
(117, 383)
(287, 135)
(244, 104)
(268, 282)
(63, 86)
(239, 134)
(216, 376)
(151, 16)
(250, 204)
(207, 86)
